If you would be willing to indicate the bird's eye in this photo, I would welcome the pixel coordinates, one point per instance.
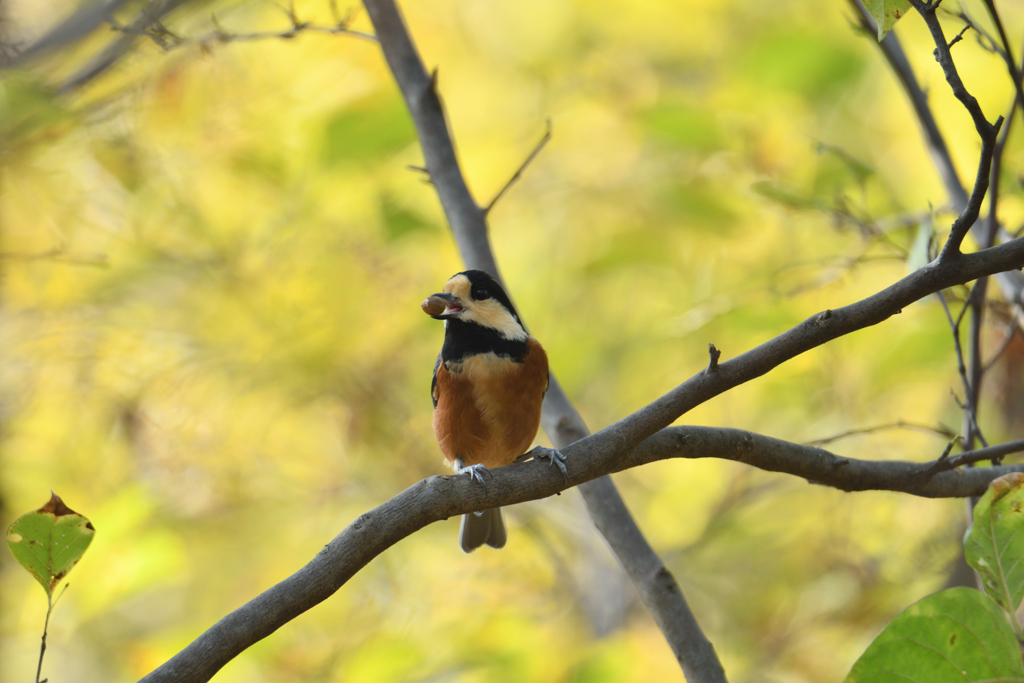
(480, 294)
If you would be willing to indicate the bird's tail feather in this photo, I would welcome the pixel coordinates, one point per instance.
(483, 528)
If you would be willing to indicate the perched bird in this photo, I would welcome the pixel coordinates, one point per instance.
(489, 383)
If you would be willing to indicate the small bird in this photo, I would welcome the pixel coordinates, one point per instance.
(488, 387)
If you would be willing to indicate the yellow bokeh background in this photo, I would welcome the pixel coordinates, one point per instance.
(211, 343)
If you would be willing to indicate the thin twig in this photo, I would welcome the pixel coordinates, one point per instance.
(167, 40)
(994, 453)
(959, 36)
(968, 405)
(714, 354)
(1010, 333)
(983, 37)
(519, 171)
(940, 430)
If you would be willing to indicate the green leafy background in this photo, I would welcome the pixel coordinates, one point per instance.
(212, 263)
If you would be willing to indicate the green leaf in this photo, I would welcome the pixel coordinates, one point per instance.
(369, 130)
(49, 542)
(886, 13)
(958, 635)
(994, 545)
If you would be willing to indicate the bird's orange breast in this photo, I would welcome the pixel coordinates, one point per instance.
(488, 406)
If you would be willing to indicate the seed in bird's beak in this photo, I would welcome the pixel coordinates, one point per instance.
(433, 305)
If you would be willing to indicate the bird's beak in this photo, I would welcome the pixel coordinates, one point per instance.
(442, 306)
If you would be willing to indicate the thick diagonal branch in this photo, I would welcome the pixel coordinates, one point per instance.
(563, 424)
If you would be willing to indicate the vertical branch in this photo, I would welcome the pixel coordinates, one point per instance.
(988, 132)
(561, 421)
(991, 225)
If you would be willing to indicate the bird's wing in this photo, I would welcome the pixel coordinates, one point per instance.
(433, 382)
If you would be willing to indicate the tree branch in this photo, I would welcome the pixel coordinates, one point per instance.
(562, 423)
(168, 40)
(444, 496)
(988, 132)
(522, 167)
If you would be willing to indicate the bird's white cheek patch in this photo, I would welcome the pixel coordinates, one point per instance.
(492, 314)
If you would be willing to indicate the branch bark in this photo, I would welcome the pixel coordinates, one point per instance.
(562, 423)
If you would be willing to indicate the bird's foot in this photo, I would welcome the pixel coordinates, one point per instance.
(555, 456)
(476, 472)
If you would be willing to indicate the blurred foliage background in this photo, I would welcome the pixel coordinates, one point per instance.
(212, 260)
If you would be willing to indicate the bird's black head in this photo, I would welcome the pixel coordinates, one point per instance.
(474, 297)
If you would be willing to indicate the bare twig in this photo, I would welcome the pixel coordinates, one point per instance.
(959, 36)
(167, 40)
(940, 430)
(714, 354)
(986, 131)
(994, 453)
(515, 176)
(1011, 331)
(968, 406)
(985, 40)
